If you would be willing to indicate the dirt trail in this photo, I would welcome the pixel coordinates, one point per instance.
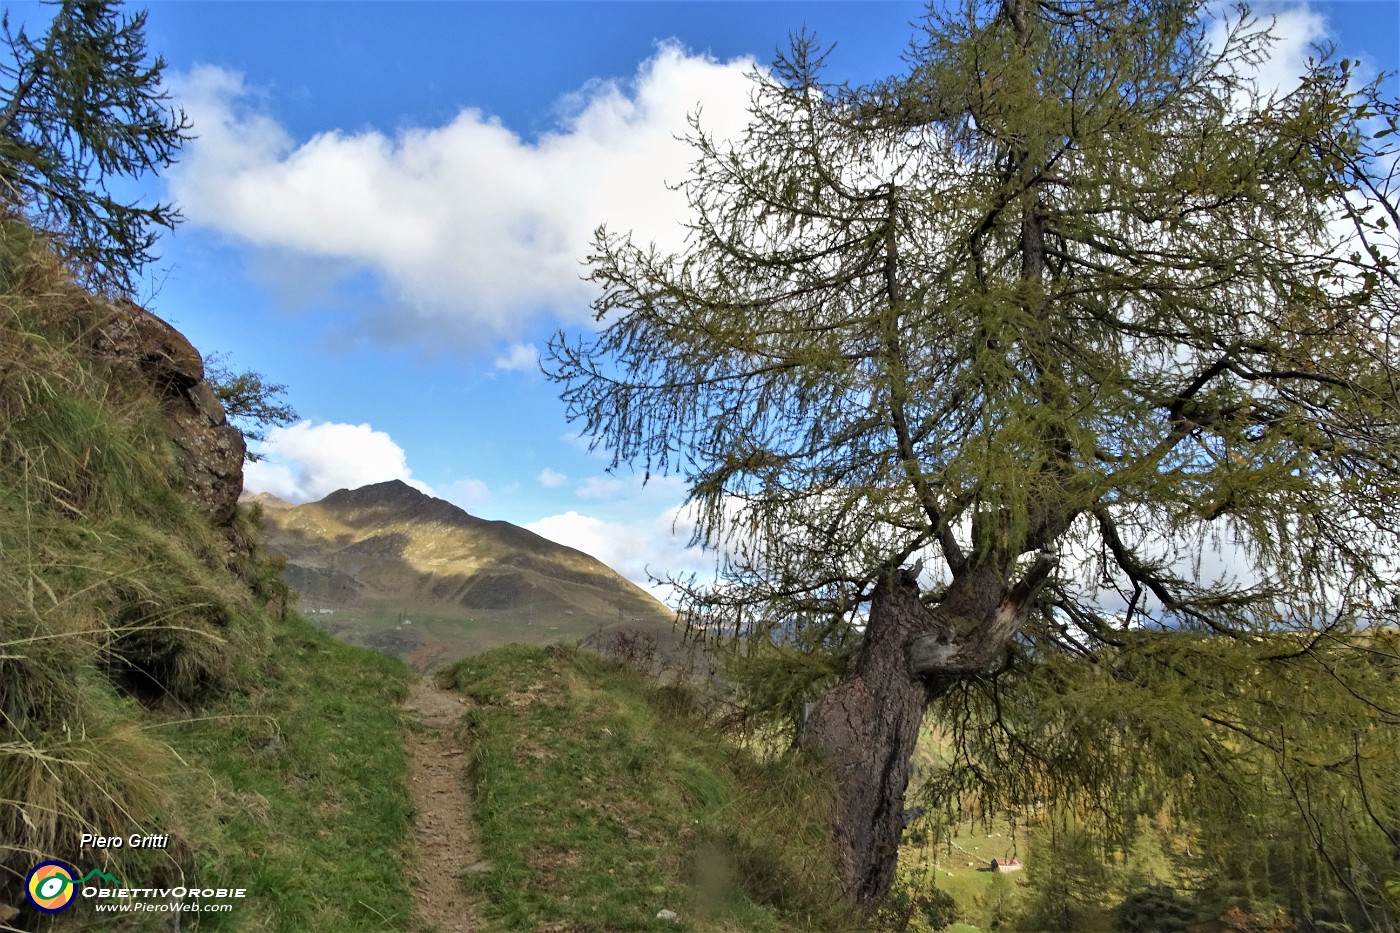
(444, 837)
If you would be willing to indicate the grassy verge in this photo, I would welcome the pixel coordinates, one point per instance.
(312, 810)
(301, 778)
(603, 799)
(148, 687)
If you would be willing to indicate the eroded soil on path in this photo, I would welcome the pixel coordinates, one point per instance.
(444, 836)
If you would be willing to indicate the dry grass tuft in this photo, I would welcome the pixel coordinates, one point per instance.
(114, 592)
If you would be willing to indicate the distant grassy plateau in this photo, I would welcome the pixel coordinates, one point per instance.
(426, 638)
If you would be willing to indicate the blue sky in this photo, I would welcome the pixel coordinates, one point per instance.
(388, 204)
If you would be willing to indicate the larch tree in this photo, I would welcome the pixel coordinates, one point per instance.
(1097, 337)
(81, 107)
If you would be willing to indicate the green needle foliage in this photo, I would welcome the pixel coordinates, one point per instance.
(79, 107)
(1072, 311)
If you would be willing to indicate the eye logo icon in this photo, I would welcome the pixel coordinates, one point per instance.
(51, 886)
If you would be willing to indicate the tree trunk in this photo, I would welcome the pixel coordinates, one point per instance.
(865, 729)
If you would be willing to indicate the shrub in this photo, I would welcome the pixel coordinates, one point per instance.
(1155, 909)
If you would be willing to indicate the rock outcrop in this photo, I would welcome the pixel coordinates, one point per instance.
(209, 450)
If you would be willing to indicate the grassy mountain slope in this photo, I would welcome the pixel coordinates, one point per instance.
(367, 559)
(296, 787)
(152, 684)
(149, 684)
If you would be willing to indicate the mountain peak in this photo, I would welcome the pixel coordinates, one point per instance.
(394, 490)
(265, 499)
(393, 501)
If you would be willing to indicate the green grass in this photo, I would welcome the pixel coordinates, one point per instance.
(602, 799)
(959, 870)
(312, 810)
(294, 790)
(147, 684)
(434, 637)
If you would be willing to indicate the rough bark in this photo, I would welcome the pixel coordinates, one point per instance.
(865, 729)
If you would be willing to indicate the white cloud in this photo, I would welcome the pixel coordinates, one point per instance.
(580, 442)
(633, 487)
(658, 544)
(307, 461)
(1296, 31)
(549, 479)
(600, 488)
(469, 228)
(646, 527)
(470, 494)
(519, 357)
